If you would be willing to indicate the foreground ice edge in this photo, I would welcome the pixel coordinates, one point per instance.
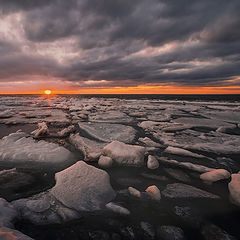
(78, 188)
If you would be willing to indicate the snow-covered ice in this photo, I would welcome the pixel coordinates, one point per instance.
(42, 130)
(83, 187)
(182, 152)
(215, 175)
(92, 150)
(152, 162)
(105, 162)
(148, 142)
(117, 208)
(154, 192)
(134, 192)
(66, 131)
(125, 154)
(78, 188)
(111, 117)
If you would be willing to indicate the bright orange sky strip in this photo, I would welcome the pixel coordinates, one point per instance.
(144, 89)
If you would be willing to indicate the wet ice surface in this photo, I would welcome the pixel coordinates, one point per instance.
(164, 151)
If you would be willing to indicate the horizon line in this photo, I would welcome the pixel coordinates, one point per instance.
(122, 94)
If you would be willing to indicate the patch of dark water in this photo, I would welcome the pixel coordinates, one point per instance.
(203, 129)
(7, 129)
(105, 225)
(25, 183)
(228, 222)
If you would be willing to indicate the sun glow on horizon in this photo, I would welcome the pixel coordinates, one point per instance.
(47, 91)
(140, 89)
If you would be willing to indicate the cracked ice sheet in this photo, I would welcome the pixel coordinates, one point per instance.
(212, 142)
(202, 122)
(110, 116)
(36, 115)
(79, 188)
(18, 149)
(91, 149)
(163, 126)
(230, 115)
(108, 132)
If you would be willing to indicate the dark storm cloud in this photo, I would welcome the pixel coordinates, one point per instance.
(150, 72)
(8, 6)
(110, 32)
(153, 21)
(23, 65)
(7, 48)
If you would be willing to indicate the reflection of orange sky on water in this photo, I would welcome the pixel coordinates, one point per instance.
(142, 89)
(7, 235)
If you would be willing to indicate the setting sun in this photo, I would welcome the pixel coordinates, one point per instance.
(48, 92)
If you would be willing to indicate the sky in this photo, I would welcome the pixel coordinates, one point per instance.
(120, 46)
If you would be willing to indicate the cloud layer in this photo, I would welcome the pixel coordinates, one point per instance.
(121, 43)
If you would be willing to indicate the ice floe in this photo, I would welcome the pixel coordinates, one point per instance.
(78, 188)
(152, 162)
(66, 131)
(36, 115)
(91, 149)
(134, 192)
(125, 154)
(153, 192)
(234, 188)
(215, 175)
(182, 152)
(148, 142)
(111, 117)
(187, 165)
(149, 125)
(211, 142)
(41, 131)
(105, 162)
(107, 132)
(20, 149)
(202, 122)
(44, 208)
(83, 187)
(117, 208)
